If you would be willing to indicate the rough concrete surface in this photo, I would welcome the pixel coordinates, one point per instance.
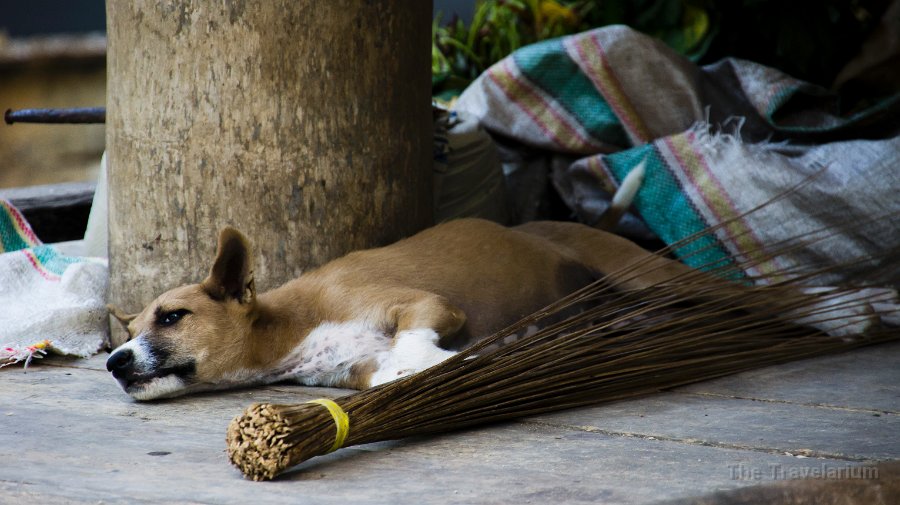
(69, 435)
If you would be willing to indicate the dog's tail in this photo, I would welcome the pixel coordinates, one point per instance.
(623, 198)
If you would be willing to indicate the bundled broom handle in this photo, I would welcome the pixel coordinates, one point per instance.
(341, 421)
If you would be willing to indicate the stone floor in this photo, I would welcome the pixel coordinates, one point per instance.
(69, 435)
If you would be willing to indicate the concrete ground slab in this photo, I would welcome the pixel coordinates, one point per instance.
(69, 435)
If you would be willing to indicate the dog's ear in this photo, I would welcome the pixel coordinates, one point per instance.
(231, 275)
(121, 316)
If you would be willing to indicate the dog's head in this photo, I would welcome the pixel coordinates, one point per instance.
(195, 337)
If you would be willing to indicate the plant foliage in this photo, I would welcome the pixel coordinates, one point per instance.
(809, 39)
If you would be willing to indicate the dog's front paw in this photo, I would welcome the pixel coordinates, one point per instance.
(413, 351)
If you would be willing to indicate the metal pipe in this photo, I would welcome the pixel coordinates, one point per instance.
(83, 115)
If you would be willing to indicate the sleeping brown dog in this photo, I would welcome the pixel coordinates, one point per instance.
(369, 317)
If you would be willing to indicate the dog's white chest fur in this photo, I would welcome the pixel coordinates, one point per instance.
(327, 354)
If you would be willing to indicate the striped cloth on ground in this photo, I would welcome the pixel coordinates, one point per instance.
(719, 141)
(48, 301)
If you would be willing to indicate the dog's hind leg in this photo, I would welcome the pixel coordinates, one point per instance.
(626, 263)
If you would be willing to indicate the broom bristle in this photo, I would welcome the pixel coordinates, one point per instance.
(623, 343)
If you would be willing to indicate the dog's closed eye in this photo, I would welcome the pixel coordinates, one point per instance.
(168, 318)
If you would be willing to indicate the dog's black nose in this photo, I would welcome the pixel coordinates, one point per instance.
(120, 362)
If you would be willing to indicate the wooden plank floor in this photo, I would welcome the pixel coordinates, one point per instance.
(69, 435)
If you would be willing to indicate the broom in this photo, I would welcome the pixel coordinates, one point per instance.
(625, 343)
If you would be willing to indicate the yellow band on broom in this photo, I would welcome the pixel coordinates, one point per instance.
(341, 421)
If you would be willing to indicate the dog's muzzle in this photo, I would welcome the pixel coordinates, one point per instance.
(121, 364)
(146, 372)
(124, 366)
